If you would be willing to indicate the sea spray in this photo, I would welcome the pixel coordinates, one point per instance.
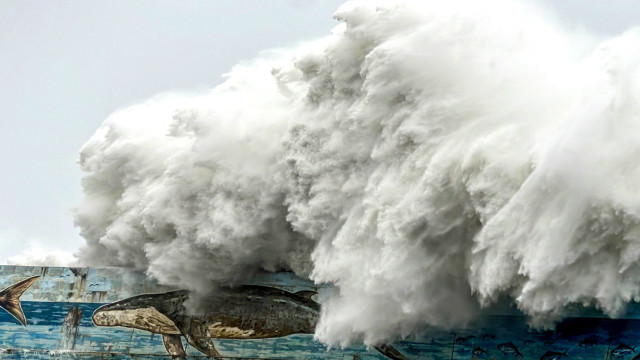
(426, 159)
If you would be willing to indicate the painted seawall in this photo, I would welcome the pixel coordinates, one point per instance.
(59, 305)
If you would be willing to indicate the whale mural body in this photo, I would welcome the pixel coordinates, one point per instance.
(244, 312)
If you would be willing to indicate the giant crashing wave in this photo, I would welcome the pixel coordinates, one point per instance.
(425, 158)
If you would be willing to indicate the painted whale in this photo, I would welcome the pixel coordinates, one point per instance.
(245, 312)
(10, 298)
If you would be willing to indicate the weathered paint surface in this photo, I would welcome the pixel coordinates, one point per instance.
(58, 309)
(86, 285)
(244, 312)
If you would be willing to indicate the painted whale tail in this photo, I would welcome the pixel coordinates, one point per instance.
(10, 298)
(390, 352)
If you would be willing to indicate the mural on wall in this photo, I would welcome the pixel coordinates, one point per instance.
(245, 312)
(121, 314)
(10, 298)
(64, 313)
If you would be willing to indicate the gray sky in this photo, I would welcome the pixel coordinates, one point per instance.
(66, 65)
(609, 17)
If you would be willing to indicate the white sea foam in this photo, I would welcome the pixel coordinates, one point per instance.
(426, 158)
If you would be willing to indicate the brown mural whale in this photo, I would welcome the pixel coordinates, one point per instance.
(245, 312)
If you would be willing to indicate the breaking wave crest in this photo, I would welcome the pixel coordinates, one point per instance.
(427, 159)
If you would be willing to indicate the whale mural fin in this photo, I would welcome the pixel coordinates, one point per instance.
(10, 298)
(196, 334)
(204, 345)
(307, 294)
(173, 344)
(390, 352)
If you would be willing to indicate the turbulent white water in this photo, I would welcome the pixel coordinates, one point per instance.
(426, 158)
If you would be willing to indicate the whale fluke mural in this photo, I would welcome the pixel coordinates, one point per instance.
(10, 298)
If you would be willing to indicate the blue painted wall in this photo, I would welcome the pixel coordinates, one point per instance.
(586, 335)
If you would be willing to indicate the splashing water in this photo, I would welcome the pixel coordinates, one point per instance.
(425, 158)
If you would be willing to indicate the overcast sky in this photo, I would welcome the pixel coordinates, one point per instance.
(66, 65)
